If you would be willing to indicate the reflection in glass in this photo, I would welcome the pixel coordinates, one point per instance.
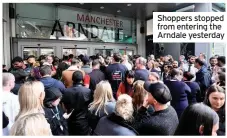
(30, 51)
(104, 52)
(74, 51)
(39, 28)
(46, 51)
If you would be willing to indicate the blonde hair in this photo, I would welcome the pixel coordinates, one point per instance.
(124, 107)
(103, 93)
(31, 125)
(139, 94)
(31, 95)
(6, 77)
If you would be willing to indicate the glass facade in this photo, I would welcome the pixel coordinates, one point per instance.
(42, 21)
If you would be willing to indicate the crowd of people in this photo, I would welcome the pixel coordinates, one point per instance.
(114, 95)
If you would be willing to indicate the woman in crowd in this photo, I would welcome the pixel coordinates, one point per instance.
(179, 91)
(126, 86)
(194, 86)
(31, 125)
(198, 119)
(215, 98)
(138, 97)
(150, 65)
(153, 77)
(31, 96)
(102, 105)
(118, 123)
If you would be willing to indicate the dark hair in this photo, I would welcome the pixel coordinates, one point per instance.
(221, 59)
(222, 69)
(77, 76)
(221, 77)
(71, 56)
(188, 75)
(17, 59)
(61, 67)
(95, 62)
(193, 117)
(212, 58)
(45, 70)
(65, 57)
(42, 57)
(200, 62)
(211, 89)
(128, 74)
(75, 61)
(31, 56)
(174, 72)
(117, 57)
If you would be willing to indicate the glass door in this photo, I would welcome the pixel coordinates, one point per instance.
(104, 52)
(47, 51)
(27, 51)
(74, 51)
(127, 52)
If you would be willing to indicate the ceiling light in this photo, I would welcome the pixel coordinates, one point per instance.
(118, 10)
(102, 7)
(82, 3)
(129, 4)
(23, 26)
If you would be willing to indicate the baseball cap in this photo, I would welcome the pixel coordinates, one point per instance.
(159, 91)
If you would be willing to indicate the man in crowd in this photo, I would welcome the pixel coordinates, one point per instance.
(221, 61)
(203, 77)
(67, 74)
(96, 75)
(164, 120)
(213, 66)
(190, 67)
(21, 72)
(175, 64)
(48, 81)
(76, 100)
(141, 73)
(86, 64)
(115, 73)
(202, 57)
(10, 102)
(49, 60)
(19, 67)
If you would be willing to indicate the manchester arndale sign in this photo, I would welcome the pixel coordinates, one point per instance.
(91, 27)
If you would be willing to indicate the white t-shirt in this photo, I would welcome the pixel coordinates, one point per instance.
(11, 107)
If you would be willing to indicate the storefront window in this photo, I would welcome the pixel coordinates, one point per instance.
(75, 25)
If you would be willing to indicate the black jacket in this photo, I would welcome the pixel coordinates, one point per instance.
(113, 125)
(203, 78)
(95, 77)
(54, 115)
(162, 122)
(221, 114)
(58, 126)
(76, 100)
(93, 118)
